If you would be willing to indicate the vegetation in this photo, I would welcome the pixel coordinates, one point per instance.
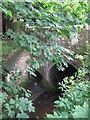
(40, 24)
(74, 103)
(45, 21)
(7, 49)
(15, 99)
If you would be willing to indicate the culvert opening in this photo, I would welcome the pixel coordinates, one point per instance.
(57, 76)
(36, 78)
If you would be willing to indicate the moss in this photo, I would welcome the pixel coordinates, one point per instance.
(6, 48)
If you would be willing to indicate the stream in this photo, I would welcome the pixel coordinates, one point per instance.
(42, 100)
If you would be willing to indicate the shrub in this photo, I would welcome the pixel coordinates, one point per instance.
(14, 99)
(76, 93)
(74, 103)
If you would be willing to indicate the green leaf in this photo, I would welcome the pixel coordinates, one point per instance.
(31, 109)
(22, 115)
(9, 13)
(55, 114)
(49, 116)
(4, 10)
(79, 28)
(81, 111)
(63, 115)
(12, 101)
(11, 113)
(7, 106)
(31, 71)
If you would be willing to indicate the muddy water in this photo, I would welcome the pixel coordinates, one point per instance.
(42, 100)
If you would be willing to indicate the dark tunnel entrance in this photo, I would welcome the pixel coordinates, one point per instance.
(36, 78)
(56, 76)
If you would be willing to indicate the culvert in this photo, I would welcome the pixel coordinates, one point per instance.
(36, 78)
(56, 76)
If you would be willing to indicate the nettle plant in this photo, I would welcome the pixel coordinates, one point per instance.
(46, 21)
(15, 99)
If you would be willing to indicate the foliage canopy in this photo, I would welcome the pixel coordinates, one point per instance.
(46, 21)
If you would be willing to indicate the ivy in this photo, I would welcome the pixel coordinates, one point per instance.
(45, 21)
